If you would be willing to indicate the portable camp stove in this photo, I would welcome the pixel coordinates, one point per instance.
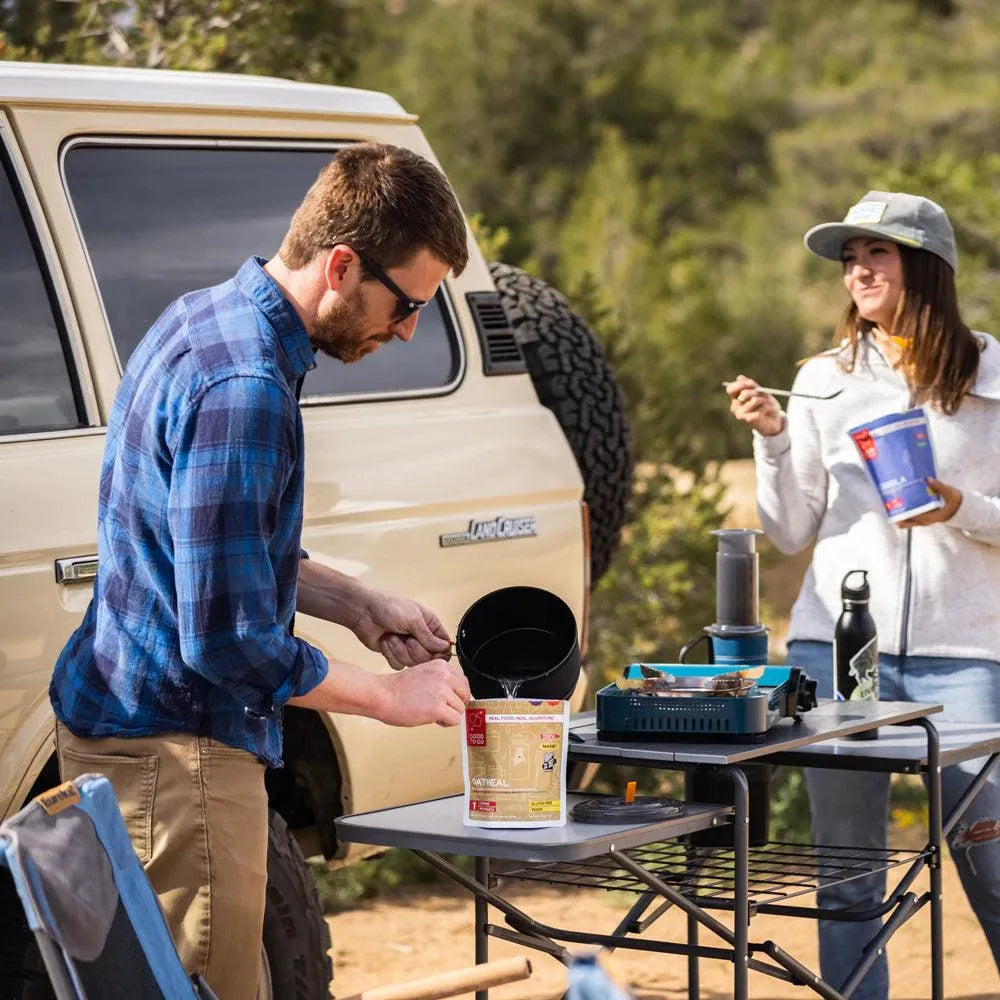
(666, 701)
(735, 696)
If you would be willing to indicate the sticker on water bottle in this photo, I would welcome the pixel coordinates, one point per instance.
(863, 668)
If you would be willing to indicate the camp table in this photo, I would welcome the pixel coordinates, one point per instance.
(655, 861)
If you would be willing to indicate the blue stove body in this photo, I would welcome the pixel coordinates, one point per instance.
(779, 692)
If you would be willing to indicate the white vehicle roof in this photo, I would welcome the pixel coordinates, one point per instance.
(48, 83)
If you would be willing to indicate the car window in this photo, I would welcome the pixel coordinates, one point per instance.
(36, 387)
(160, 221)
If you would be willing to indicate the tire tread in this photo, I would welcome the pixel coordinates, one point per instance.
(296, 933)
(574, 380)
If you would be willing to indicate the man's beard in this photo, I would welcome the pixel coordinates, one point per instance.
(340, 331)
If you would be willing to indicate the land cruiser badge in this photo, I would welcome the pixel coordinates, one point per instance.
(497, 529)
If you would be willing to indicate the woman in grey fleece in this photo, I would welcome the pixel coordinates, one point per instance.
(935, 578)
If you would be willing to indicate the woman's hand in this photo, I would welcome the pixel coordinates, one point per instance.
(758, 410)
(952, 497)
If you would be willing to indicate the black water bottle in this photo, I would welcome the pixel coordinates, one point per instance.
(856, 646)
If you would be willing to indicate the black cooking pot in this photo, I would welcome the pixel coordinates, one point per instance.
(523, 636)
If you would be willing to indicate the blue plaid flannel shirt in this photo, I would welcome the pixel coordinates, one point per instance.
(199, 526)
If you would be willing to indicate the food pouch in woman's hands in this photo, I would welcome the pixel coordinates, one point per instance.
(898, 454)
(514, 762)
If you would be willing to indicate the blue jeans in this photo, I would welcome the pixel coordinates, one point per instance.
(851, 808)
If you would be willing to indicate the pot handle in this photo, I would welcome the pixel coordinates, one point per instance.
(688, 646)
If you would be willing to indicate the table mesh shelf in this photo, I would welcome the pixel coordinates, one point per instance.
(777, 871)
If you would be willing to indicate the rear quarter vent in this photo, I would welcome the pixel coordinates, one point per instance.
(501, 353)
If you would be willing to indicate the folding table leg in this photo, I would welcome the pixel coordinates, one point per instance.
(633, 920)
(694, 987)
(958, 810)
(481, 911)
(935, 838)
(908, 905)
(694, 984)
(741, 882)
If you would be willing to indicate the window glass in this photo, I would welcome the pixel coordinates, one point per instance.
(36, 390)
(159, 222)
(429, 360)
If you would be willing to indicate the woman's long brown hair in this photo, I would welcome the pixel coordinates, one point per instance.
(941, 354)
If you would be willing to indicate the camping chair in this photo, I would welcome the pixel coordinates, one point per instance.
(97, 921)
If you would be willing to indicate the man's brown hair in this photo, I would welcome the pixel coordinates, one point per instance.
(941, 356)
(385, 202)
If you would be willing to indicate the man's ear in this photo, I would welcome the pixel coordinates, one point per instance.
(341, 269)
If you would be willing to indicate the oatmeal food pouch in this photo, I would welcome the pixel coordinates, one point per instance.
(514, 762)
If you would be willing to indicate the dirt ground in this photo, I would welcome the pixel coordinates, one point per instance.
(423, 932)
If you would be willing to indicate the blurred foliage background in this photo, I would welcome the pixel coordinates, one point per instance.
(658, 161)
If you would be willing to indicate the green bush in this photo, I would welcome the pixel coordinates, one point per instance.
(789, 806)
(341, 888)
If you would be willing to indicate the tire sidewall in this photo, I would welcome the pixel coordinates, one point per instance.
(296, 935)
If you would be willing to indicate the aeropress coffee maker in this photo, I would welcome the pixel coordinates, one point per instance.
(735, 638)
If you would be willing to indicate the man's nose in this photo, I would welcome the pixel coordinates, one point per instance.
(405, 329)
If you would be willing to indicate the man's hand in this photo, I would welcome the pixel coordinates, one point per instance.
(403, 631)
(415, 696)
(429, 692)
(952, 497)
(757, 409)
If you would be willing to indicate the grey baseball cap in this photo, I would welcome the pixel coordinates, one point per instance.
(891, 215)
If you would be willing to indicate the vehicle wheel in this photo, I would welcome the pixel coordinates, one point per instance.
(575, 381)
(296, 934)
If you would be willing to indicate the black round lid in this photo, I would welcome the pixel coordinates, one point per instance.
(610, 809)
(858, 592)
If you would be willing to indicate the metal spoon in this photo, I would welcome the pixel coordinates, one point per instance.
(788, 392)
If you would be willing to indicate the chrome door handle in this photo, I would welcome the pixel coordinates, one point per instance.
(76, 570)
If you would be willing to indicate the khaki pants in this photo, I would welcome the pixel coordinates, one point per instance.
(196, 811)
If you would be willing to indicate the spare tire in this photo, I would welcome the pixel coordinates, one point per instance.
(575, 381)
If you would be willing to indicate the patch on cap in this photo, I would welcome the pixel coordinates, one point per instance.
(866, 213)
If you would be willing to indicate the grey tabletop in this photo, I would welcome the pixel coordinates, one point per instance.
(437, 826)
(900, 748)
(830, 720)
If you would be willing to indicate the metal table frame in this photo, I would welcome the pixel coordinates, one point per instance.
(816, 741)
(947, 744)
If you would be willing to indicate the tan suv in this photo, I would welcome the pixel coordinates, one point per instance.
(121, 189)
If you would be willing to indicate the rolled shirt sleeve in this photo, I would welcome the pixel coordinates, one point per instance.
(235, 560)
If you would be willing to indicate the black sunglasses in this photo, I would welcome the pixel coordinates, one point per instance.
(405, 306)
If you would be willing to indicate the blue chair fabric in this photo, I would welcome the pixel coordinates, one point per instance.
(97, 921)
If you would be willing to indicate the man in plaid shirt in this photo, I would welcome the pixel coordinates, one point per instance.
(174, 682)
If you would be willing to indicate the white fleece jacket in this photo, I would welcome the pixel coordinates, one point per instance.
(935, 589)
